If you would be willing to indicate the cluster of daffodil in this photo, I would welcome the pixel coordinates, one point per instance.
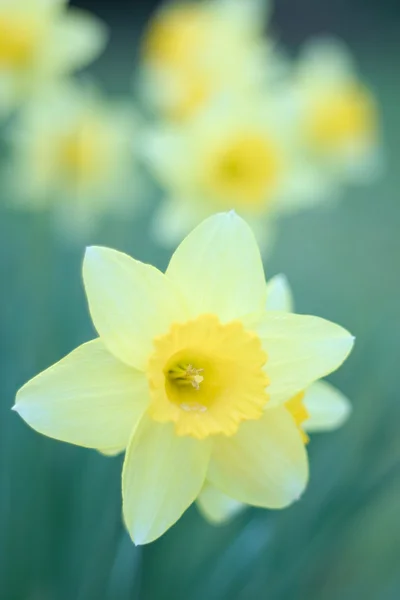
(234, 123)
(202, 376)
(240, 126)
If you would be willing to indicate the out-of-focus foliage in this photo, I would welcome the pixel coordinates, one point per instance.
(61, 535)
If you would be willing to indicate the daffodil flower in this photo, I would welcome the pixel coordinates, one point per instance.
(337, 113)
(190, 375)
(41, 40)
(321, 407)
(242, 154)
(193, 51)
(74, 154)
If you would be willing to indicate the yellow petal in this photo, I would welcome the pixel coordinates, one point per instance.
(162, 475)
(300, 350)
(88, 398)
(217, 507)
(130, 303)
(219, 270)
(264, 464)
(279, 294)
(327, 407)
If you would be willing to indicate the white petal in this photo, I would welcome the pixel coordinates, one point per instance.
(218, 268)
(279, 294)
(327, 406)
(112, 451)
(163, 474)
(264, 464)
(78, 38)
(88, 398)
(300, 350)
(130, 303)
(217, 507)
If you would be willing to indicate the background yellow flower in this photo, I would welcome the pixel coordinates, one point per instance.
(338, 115)
(74, 153)
(243, 154)
(41, 40)
(194, 51)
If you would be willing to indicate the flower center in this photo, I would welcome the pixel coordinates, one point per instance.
(340, 119)
(186, 375)
(244, 170)
(82, 153)
(18, 37)
(207, 377)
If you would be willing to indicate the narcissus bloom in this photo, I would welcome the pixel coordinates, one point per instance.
(74, 153)
(321, 407)
(337, 113)
(243, 154)
(190, 374)
(193, 51)
(41, 40)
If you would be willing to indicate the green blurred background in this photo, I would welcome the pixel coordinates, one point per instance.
(61, 536)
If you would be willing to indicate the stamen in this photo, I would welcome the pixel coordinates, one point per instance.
(187, 374)
(193, 375)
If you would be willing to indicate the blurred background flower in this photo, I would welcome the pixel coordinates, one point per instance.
(41, 40)
(241, 125)
(60, 520)
(337, 113)
(242, 153)
(73, 153)
(191, 52)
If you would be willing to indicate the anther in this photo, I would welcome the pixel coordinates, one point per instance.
(193, 375)
(187, 375)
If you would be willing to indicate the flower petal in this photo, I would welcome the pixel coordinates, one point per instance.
(264, 464)
(130, 303)
(112, 451)
(162, 475)
(300, 350)
(217, 507)
(279, 294)
(79, 37)
(218, 268)
(88, 398)
(327, 407)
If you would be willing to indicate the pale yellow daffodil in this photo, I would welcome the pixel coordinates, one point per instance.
(74, 154)
(41, 40)
(190, 374)
(321, 407)
(241, 154)
(337, 113)
(194, 51)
